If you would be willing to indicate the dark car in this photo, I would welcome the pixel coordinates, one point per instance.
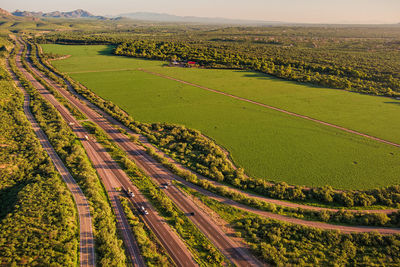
(129, 193)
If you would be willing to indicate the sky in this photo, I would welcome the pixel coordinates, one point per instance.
(303, 11)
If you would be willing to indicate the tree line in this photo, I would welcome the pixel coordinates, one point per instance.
(289, 67)
(336, 58)
(341, 216)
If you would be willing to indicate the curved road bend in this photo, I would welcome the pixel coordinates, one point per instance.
(235, 252)
(86, 240)
(114, 177)
(270, 200)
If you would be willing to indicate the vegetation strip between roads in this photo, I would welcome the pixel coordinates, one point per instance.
(100, 164)
(86, 240)
(274, 108)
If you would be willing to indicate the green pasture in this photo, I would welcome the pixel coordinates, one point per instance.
(266, 143)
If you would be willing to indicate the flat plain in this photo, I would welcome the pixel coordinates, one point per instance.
(266, 143)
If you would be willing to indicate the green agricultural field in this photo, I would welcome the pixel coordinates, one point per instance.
(266, 143)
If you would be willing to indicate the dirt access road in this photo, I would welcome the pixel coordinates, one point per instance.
(275, 108)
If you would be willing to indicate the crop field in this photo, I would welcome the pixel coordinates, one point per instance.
(266, 143)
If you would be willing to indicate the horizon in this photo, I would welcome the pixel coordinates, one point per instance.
(287, 11)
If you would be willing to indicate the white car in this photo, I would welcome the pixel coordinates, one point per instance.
(143, 210)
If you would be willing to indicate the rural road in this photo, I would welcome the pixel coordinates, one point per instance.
(234, 252)
(114, 177)
(274, 108)
(135, 150)
(86, 240)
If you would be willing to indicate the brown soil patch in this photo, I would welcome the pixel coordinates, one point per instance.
(59, 58)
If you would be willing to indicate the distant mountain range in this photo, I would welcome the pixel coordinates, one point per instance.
(142, 16)
(5, 13)
(79, 13)
(162, 17)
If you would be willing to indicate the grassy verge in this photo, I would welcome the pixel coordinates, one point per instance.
(76, 113)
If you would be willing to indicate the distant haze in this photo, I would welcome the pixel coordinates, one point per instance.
(301, 11)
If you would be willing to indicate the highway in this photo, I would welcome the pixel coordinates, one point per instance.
(138, 151)
(87, 255)
(114, 177)
(234, 251)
